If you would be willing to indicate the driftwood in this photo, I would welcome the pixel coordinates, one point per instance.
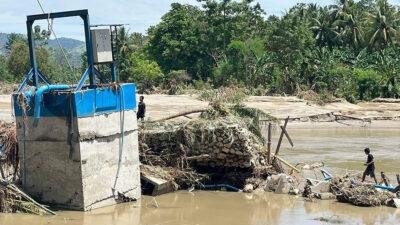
(286, 163)
(287, 135)
(15, 189)
(269, 142)
(182, 114)
(204, 156)
(281, 137)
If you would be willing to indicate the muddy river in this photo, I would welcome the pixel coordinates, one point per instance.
(338, 148)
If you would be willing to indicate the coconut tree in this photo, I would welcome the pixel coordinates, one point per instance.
(340, 9)
(383, 29)
(351, 33)
(324, 29)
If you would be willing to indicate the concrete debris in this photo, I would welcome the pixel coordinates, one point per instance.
(325, 196)
(313, 166)
(159, 186)
(248, 188)
(395, 203)
(281, 184)
(321, 187)
(346, 190)
(294, 191)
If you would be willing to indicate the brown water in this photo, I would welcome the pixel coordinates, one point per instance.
(342, 148)
(339, 148)
(219, 208)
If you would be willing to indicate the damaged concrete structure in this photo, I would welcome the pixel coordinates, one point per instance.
(81, 151)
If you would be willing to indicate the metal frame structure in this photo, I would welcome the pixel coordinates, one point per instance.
(35, 74)
(114, 46)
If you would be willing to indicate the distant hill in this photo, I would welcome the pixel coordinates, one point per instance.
(72, 47)
(67, 43)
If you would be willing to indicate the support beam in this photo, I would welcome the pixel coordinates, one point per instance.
(281, 137)
(269, 142)
(287, 135)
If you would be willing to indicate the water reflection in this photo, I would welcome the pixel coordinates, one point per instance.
(220, 208)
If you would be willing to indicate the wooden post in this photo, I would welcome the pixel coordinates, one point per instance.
(281, 137)
(287, 136)
(269, 142)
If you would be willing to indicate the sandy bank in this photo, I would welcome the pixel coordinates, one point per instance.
(305, 115)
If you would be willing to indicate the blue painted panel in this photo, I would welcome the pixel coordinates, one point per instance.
(106, 99)
(84, 103)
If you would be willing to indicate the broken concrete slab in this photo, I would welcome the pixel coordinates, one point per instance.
(248, 188)
(395, 203)
(160, 186)
(321, 187)
(283, 186)
(325, 196)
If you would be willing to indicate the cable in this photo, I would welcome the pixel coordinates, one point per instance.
(50, 25)
(121, 141)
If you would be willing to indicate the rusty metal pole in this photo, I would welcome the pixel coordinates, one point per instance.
(269, 142)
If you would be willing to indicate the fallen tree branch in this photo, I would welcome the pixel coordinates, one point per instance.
(182, 114)
(285, 162)
(25, 196)
(204, 156)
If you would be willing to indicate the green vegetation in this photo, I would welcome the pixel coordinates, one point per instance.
(349, 49)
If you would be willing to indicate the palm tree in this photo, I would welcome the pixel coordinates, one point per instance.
(384, 31)
(340, 9)
(351, 31)
(324, 29)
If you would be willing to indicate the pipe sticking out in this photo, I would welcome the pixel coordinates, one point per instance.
(39, 97)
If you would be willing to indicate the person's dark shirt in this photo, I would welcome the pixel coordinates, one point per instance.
(141, 110)
(370, 158)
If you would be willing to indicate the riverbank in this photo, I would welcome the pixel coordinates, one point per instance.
(301, 112)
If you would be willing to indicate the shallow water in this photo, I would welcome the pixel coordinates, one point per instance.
(342, 148)
(338, 148)
(219, 208)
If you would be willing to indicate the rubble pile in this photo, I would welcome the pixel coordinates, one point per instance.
(9, 160)
(365, 195)
(208, 143)
(223, 146)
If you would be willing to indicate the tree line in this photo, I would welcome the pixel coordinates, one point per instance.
(348, 49)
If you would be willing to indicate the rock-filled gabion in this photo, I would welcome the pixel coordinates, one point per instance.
(212, 143)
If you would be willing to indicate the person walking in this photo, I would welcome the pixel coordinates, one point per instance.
(370, 170)
(141, 113)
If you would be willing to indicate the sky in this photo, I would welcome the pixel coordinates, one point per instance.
(138, 14)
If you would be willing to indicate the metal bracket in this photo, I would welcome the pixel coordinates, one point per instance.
(34, 72)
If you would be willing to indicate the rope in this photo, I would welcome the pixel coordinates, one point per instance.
(121, 142)
(50, 26)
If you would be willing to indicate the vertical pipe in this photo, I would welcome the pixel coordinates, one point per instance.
(113, 72)
(89, 50)
(269, 142)
(32, 56)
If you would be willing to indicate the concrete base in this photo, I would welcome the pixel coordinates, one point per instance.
(83, 164)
